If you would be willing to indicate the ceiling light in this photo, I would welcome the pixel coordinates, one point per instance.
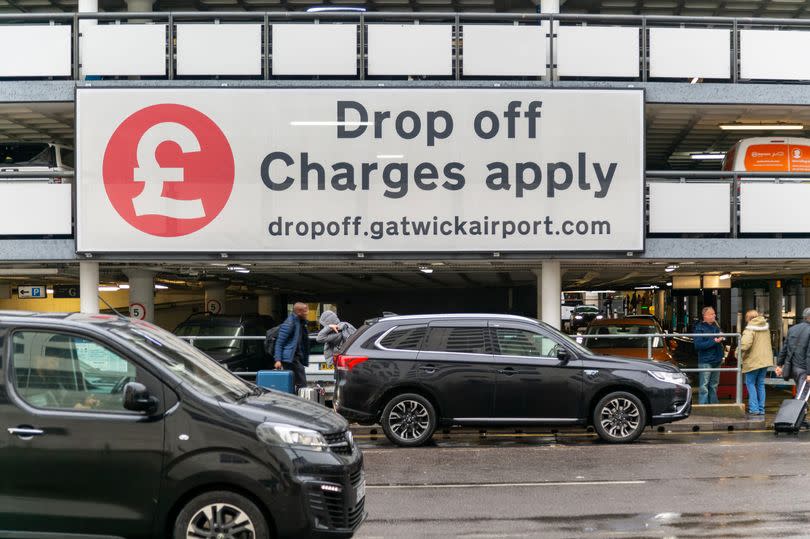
(123, 286)
(708, 156)
(49, 290)
(108, 289)
(425, 269)
(338, 9)
(695, 80)
(650, 287)
(242, 270)
(28, 271)
(725, 276)
(758, 127)
(671, 268)
(161, 287)
(669, 283)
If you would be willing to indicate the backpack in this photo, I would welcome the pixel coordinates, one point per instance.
(270, 341)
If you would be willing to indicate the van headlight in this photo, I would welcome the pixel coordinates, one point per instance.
(670, 377)
(578, 317)
(279, 434)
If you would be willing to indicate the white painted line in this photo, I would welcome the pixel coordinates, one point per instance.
(504, 485)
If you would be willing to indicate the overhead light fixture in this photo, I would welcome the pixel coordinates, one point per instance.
(695, 80)
(708, 156)
(759, 127)
(49, 290)
(669, 283)
(28, 271)
(425, 269)
(725, 276)
(671, 268)
(242, 270)
(123, 286)
(336, 9)
(650, 287)
(108, 289)
(161, 287)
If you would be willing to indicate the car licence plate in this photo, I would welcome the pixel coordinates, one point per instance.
(361, 492)
(325, 367)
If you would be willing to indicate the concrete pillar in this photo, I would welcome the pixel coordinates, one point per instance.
(88, 287)
(268, 304)
(551, 290)
(539, 292)
(215, 298)
(748, 300)
(141, 294)
(694, 309)
(775, 296)
(661, 305)
(724, 302)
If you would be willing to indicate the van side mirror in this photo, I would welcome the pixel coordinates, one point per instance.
(563, 354)
(138, 399)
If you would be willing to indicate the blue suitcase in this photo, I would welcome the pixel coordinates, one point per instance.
(278, 380)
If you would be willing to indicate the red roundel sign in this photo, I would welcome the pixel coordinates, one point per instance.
(168, 170)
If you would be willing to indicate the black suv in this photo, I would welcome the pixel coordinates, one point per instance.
(415, 373)
(113, 427)
(235, 354)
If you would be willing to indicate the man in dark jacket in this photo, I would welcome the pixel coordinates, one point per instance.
(292, 345)
(795, 351)
(710, 356)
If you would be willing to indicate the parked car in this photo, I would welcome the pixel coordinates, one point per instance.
(235, 354)
(627, 338)
(769, 154)
(114, 427)
(582, 315)
(36, 157)
(413, 374)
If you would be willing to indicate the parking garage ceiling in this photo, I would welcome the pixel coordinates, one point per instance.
(341, 276)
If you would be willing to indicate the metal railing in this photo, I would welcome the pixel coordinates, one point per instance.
(664, 336)
(643, 23)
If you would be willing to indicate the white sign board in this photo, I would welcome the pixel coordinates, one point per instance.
(32, 292)
(359, 170)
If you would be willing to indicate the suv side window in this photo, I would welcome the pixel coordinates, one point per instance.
(460, 340)
(66, 372)
(406, 338)
(520, 342)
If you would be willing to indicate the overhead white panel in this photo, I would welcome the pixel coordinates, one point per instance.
(219, 49)
(708, 208)
(124, 49)
(768, 54)
(410, 49)
(35, 51)
(774, 207)
(315, 49)
(690, 52)
(509, 51)
(35, 208)
(597, 51)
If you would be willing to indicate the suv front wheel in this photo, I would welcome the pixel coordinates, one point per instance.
(619, 417)
(220, 514)
(409, 420)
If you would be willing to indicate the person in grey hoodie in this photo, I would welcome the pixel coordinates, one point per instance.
(333, 335)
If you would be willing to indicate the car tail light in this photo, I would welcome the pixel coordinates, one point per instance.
(347, 363)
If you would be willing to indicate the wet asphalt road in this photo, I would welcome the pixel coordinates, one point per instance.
(748, 484)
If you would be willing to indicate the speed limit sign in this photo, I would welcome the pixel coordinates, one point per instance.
(214, 306)
(137, 311)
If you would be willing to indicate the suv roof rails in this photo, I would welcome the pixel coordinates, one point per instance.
(388, 313)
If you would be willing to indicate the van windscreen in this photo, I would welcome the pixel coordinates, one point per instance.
(30, 154)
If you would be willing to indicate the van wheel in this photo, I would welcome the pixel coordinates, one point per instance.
(220, 515)
(619, 417)
(409, 420)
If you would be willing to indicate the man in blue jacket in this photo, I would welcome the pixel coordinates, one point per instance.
(292, 345)
(710, 355)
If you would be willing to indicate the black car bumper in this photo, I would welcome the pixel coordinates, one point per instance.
(678, 406)
(355, 416)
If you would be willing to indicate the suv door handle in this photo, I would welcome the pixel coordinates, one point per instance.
(428, 369)
(508, 371)
(25, 433)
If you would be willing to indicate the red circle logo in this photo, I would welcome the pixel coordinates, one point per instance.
(168, 170)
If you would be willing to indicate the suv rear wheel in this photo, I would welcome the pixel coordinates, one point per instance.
(409, 420)
(619, 417)
(221, 515)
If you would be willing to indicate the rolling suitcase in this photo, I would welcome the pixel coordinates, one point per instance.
(792, 412)
(314, 394)
(278, 380)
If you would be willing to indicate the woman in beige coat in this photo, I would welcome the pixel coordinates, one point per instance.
(757, 356)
